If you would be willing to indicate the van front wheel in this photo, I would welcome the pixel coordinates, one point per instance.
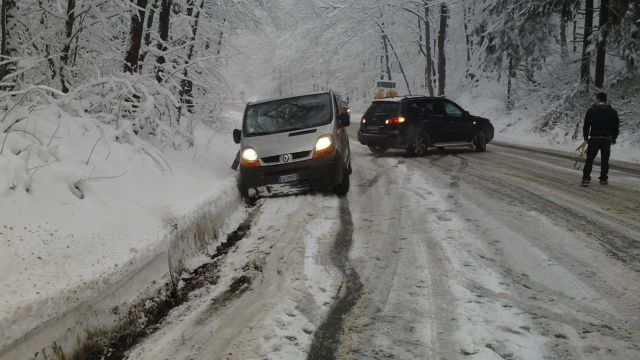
(342, 188)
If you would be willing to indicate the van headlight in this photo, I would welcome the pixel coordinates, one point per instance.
(324, 146)
(324, 142)
(249, 158)
(249, 154)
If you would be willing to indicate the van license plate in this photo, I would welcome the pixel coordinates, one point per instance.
(288, 178)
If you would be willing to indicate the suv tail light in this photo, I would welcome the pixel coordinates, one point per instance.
(395, 120)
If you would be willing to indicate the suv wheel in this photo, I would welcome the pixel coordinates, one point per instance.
(480, 141)
(419, 145)
(376, 149)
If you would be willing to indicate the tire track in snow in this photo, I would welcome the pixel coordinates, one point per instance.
(144, 318)
(328, 336)
(566, 331)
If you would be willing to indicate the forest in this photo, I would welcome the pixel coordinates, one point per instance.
(157, 62)
(116, 147)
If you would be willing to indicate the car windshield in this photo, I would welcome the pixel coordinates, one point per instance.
(382, 109)
(290, 114)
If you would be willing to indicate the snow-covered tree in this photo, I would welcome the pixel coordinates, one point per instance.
(7, 42)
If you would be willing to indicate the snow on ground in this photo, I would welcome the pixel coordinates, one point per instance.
(488, 256)
(292, 286)
(499, 324)
(83, 204)
(519, 126)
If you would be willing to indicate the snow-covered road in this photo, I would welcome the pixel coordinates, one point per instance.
(496, 255)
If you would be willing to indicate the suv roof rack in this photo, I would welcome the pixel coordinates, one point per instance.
(404, 97)
(400, 98)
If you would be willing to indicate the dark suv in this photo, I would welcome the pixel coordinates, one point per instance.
(416, 123)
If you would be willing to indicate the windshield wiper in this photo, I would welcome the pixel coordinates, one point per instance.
(299, 128)
(258, 133)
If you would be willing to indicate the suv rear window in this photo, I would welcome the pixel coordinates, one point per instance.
(386, 109)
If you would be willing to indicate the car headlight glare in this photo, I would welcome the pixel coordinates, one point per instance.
(324, 142)
(249, 154)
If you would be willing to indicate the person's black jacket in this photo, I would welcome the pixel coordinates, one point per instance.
(601, 121)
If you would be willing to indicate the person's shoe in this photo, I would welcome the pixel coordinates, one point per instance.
(604, 182)
(585, 182)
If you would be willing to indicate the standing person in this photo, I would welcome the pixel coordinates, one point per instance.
(601, 128)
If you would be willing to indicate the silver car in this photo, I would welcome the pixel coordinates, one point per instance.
(294, 142)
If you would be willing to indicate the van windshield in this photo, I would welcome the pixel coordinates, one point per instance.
(290, 114)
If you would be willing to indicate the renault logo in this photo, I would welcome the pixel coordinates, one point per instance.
(286, 158)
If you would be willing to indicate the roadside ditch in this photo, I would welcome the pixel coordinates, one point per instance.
(145, 318)
(114, 320)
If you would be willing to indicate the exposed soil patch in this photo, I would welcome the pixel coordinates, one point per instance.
(146, 317)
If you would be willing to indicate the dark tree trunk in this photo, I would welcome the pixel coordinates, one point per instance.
(186, 84)
(601, 45)
(385, 49)
(163, 32)
(4, 52)
(442, 59)
(224, 22)
(47, 47)
(6, 49)
(510, 75)
(467, 37)
(64, 57)
(433, 68)
(135, 37)
(585, 68)
(575, 27)
(565, 16)
(563, 39)
(428, 71)
(147, 35)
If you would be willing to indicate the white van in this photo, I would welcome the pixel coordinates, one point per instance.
(294, 142)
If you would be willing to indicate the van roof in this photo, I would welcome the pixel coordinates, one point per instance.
(287, 97)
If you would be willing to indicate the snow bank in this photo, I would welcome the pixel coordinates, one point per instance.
(83, 204)
(555, 125)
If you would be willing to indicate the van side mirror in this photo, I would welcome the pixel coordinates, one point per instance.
(237, 136)
(465, 113)
(344, 119)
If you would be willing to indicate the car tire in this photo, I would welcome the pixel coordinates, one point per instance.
(419, 145)
(244, 195)
(343, 188)
(376, 149)
(480, 141)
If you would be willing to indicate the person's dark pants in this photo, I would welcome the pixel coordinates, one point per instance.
(604, 147)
